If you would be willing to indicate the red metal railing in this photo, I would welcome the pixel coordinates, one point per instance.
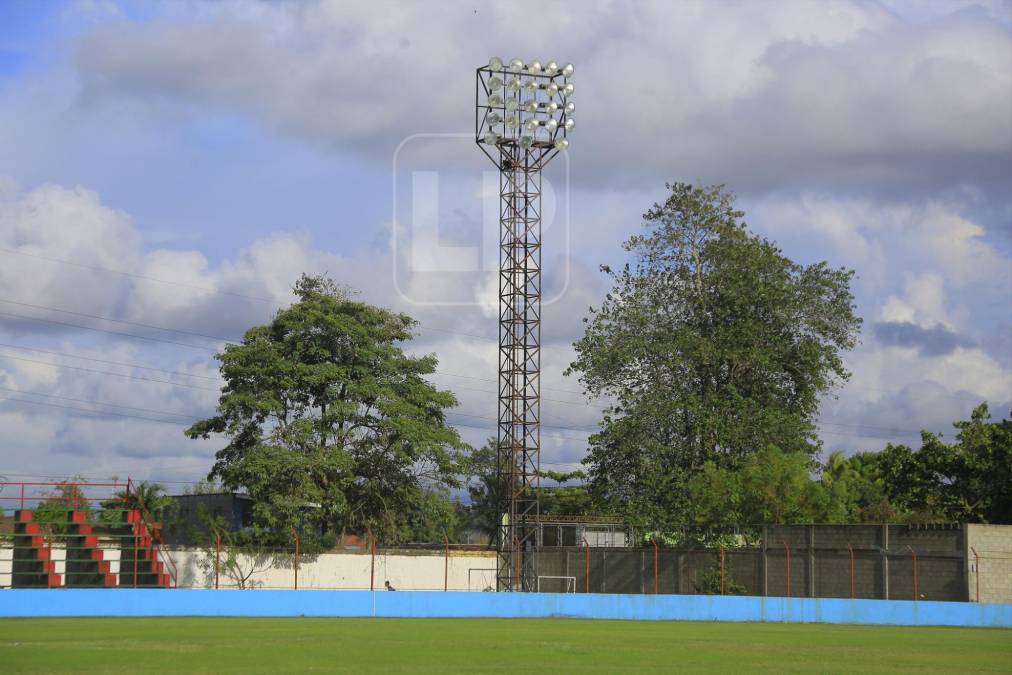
(154, 535)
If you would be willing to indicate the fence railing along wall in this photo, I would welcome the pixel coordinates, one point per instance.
(898, 562)
(65, 534)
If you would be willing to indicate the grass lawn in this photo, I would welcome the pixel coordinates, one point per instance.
(223, 645)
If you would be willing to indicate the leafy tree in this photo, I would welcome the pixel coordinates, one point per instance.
(709, 583)
(967, 481)
(148, 498)
(53, 512)
(713, 345)
(330, 425)
(238, 555)
(772, 487)
(563, 498)
(856, 492)
(484, 489)
(557, 497)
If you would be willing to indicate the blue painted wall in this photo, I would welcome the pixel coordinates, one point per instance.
(191, 602)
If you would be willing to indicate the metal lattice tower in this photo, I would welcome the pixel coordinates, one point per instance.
(523, 114)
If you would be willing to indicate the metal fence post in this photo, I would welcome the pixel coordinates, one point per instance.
(811, 561)
(885, 560)
(217, 557)
(136, 553)
(586, 547)
(914, 553)
(296, 565)
(851, 549)
(722, 569)
(976, 573)
(656, 565)
(788, 549)
(372, 559)
(446, 564)
(51, 564)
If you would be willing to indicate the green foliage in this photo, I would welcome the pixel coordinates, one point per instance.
(714, 345)
(556, 496)
(709, 583)
(148, 498)
(330, 425)
(772, 487)
(53, 512)
(966, 481)
(238, 555)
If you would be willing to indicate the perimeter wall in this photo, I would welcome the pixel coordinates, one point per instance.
(152, 602)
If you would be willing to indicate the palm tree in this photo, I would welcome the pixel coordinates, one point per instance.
(148, 498)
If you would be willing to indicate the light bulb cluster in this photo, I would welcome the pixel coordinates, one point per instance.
(527, 104)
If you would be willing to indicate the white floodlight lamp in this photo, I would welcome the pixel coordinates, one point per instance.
(523, 110)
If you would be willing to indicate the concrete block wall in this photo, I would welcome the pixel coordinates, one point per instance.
(991, 569)
(820, 564)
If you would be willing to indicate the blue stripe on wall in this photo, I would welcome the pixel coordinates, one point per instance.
(191, 602)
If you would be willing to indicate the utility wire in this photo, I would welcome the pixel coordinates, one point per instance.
(93, 412)
(107, 270)
(19, 317)
(111, 320)
(113, 363)
(107, 373)
(98, 403)
(587, 428)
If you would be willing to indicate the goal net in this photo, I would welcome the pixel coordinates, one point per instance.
(556, 584)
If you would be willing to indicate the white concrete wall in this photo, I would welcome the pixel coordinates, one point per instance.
(6, 556)
(406, 570)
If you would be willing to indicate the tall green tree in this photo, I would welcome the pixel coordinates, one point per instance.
(771, 487)
(713, 345)
(330, 425)
(966, 481)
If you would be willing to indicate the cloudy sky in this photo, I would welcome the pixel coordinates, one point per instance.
(168, 169)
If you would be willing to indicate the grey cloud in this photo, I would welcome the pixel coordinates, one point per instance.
(934, 341)
(817, 93)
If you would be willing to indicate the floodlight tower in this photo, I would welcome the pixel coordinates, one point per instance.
(523, 113)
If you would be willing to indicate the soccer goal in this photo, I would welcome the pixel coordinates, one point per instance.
(553, 584)
(481, 579)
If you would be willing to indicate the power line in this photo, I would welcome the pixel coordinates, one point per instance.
(856, 427)
(214, 291)
(105, 372)
(113, 363)
(18, 317)
(492, 379)
(59, 476)
(132, 275)
(111, 320)
(93, 412)
(99, 403)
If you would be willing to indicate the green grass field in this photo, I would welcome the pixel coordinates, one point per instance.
(225, 645)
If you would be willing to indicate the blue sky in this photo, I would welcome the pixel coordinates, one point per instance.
(164, 163)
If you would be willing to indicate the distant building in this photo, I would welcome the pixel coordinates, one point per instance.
(184, 523)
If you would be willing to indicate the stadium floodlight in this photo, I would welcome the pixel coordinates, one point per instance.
(523, 115)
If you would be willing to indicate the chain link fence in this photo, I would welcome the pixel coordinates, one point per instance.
(826, 561)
